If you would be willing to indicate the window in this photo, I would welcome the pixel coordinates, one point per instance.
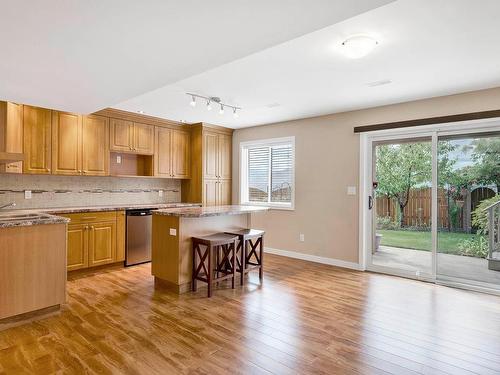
(267, 172)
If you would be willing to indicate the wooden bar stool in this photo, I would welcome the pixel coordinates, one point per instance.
(214, 255)
(249, 252)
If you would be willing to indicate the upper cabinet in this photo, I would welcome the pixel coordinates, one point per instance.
(11, 136)
(131, 136)
(95, 141)
(172, 153)
(217, 155)
(80, 144)
(37, 140)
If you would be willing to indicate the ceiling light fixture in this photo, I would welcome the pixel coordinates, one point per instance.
(358, 46)
(213, 99)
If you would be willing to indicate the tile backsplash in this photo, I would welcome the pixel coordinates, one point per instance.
(67, 191)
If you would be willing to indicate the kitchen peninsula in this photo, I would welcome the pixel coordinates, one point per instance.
(172, 231)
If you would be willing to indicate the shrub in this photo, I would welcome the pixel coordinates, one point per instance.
(480, 216)
(386, 222)
(476, 246)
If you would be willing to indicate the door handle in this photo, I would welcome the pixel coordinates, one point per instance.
(370, 202)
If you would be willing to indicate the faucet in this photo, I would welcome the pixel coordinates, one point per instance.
(11, 204)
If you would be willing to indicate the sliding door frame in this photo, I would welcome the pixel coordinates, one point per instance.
(366, 222)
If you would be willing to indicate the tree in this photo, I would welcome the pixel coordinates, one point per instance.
(486, 157)
(401, 167)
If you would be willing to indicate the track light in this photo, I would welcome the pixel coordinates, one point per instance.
(213, 99)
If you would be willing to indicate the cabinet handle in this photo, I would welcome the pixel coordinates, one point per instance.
(92, 227)
(86, 227)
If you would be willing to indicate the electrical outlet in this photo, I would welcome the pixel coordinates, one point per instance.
(160, 193)
(27, 194)
(173, 232)
(301, 237)
(118, 159)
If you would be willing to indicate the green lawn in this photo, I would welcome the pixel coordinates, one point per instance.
(447, 241)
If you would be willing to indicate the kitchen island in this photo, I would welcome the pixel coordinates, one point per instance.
(173, 228)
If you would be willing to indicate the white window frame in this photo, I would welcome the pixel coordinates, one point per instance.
(244, 146)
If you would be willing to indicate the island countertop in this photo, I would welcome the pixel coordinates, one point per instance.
(209, 211)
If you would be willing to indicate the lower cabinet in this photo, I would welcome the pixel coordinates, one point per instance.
(95, 239)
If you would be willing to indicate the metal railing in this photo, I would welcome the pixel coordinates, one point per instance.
(493, 212)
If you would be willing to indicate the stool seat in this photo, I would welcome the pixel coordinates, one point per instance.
(213, 255)
(249, 251)
(216, 239)
(247, 233)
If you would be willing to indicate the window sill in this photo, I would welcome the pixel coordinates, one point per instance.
(270, 206)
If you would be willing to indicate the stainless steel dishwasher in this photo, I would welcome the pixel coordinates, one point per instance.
(138, 246)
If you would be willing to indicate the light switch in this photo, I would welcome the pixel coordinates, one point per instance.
(118, 159)
(351, 190)
(160, 193)
(27, 194)
(173, 232)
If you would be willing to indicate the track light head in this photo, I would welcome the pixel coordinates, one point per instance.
(221, 110)
(235, 113)
(193, 101)
(209, 106)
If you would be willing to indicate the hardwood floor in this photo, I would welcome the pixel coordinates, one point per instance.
(306, 319)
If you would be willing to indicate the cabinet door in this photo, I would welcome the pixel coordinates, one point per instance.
(102, 243)
(143, 139)
(12, 130)
(224, 156)
(66, 143)
(181, 154)
(210, 159)
(37, 140)
(210, 192)
(77, 254)
(121, 135)
(223, 192)
(95, 141)
(163, 152)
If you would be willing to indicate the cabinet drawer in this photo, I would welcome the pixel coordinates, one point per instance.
(91, 217)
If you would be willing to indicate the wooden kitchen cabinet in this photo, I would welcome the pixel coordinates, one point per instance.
(80, 144)
(210, 176)
(95, 239)
(66, 143)
(121, 135)
(128, 136)
(11, 134)
(37, 140)
(77, 243)
(102, 243)
(95, 140)
(143, 139)
(172, 153)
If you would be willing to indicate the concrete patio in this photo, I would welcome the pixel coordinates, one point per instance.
(448, 265)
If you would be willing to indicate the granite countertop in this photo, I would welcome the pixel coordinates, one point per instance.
(209, 211)
(25, 218)
(20, 218)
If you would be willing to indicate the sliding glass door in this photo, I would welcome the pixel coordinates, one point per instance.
(402, 188)
(434, 204)
(469, 181)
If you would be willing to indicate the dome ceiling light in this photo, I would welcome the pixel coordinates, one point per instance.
(358, 46)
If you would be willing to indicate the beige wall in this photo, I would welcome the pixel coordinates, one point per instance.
(327, 161)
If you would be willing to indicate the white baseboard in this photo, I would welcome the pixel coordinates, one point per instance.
(314, 258)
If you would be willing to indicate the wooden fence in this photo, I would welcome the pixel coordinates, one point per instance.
(417, 212)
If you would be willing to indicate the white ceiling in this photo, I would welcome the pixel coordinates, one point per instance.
(427, 48)
(83, 56)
